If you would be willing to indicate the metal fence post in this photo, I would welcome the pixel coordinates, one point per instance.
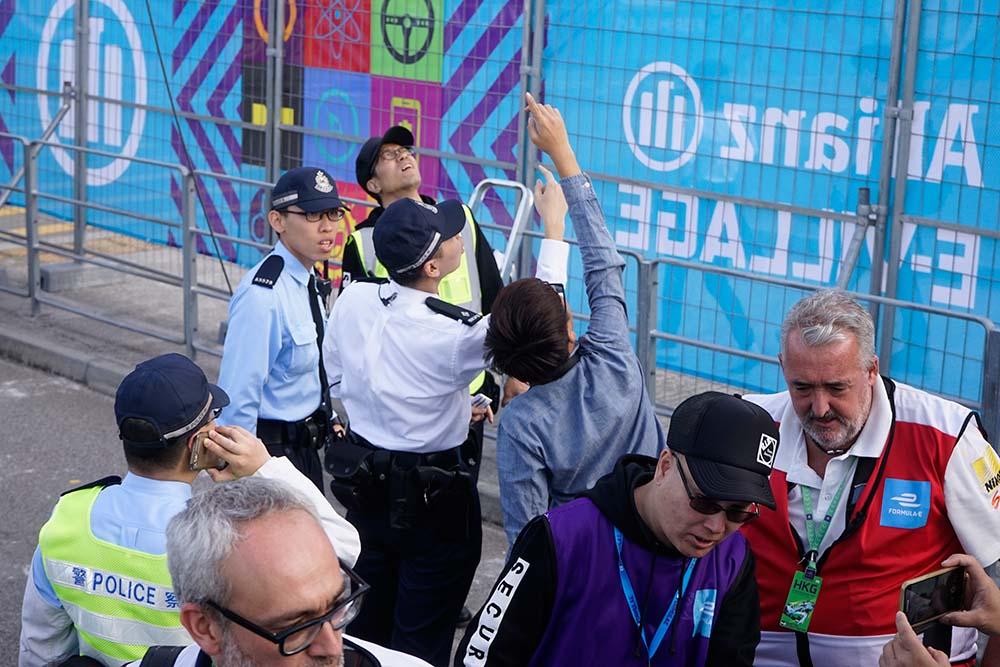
(31, 224)
(189, 276)
(276, 99)
(532, 46)
(905, 115)
(991, 387)
(647, 289)
(80, 122)
(885, 161)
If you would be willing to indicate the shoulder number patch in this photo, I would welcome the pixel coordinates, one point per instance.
(269, 271)
(463, 315)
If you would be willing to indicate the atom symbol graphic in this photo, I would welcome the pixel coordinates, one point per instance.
(338, 19)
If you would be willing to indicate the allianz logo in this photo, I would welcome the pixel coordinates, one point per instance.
(664, 119)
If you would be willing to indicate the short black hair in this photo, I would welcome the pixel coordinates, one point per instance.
(527, 337)
(409, 278)
(142, 458)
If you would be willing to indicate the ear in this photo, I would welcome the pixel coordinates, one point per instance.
(663, 464)
(204, 629)
(276, 220)
(873, 371)
(373, 185)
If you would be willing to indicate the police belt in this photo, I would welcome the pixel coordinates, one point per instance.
(456, 458)
(405, 485)
(308, 433)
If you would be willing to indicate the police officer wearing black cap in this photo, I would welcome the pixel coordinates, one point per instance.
(99, 584)
(388, 170)
(272, 363)
(401, 359)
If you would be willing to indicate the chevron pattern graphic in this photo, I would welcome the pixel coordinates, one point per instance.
(482, 61)
(205, 67)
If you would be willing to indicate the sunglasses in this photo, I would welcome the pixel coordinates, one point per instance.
(704, 505)
(298, 637)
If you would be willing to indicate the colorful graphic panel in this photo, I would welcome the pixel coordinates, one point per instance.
(338, 34)
(336, 102)
(406, 39)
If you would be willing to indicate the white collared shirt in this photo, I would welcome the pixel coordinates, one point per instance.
(401, 370)
(793, 459)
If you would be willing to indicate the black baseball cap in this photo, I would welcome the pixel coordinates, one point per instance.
(364, 165)
(309, 188)
(409, 232)
(171, 394)
(729, 445)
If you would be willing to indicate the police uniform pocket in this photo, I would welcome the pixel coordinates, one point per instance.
(305, 352)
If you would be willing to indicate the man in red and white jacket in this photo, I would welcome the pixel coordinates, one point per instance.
(875, 483)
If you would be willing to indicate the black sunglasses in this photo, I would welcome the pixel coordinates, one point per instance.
(705, 505)
(298, 637)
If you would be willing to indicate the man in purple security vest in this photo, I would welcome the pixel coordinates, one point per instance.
(647, 567)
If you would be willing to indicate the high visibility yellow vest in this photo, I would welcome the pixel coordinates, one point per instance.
(461, 287)
(121, 600)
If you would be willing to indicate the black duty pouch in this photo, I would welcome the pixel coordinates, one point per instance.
(351, 467)
(406, 493)
(447, 495)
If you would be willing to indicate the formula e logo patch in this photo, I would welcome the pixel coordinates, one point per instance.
(704, 612)
(905, 503)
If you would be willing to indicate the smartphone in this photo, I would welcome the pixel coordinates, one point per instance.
(201, 458)
(926, 598)
(480, 401)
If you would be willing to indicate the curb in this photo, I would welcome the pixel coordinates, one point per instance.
(98, 374)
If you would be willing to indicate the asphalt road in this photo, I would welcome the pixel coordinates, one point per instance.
(58, 434)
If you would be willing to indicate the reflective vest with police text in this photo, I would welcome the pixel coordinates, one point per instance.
(121, 600)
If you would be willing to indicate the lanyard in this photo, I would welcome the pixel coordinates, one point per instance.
(633, 605)
(816, 530)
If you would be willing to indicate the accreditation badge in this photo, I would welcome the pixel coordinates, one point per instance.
(801, 602)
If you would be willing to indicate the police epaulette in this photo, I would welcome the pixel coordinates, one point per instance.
(269, 271)
(370, 279)
(463, 315)
(110, 480)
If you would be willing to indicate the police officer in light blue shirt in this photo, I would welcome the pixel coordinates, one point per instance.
(272, 362)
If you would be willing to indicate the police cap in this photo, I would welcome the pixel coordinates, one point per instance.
(409, 232)
(168, 395)
(309, 188)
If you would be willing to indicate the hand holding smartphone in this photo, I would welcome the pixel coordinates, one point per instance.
(927, 598)
(201, 458)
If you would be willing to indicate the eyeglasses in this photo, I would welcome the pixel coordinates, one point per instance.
(559, 289)
(705, 505)
(390, 154)
(298, 637)
(331, 214)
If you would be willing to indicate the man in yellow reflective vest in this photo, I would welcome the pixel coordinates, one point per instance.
(99, 584)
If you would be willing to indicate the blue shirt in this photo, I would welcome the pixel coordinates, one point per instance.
(270, 361)
(555, 440)
(133, 514)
